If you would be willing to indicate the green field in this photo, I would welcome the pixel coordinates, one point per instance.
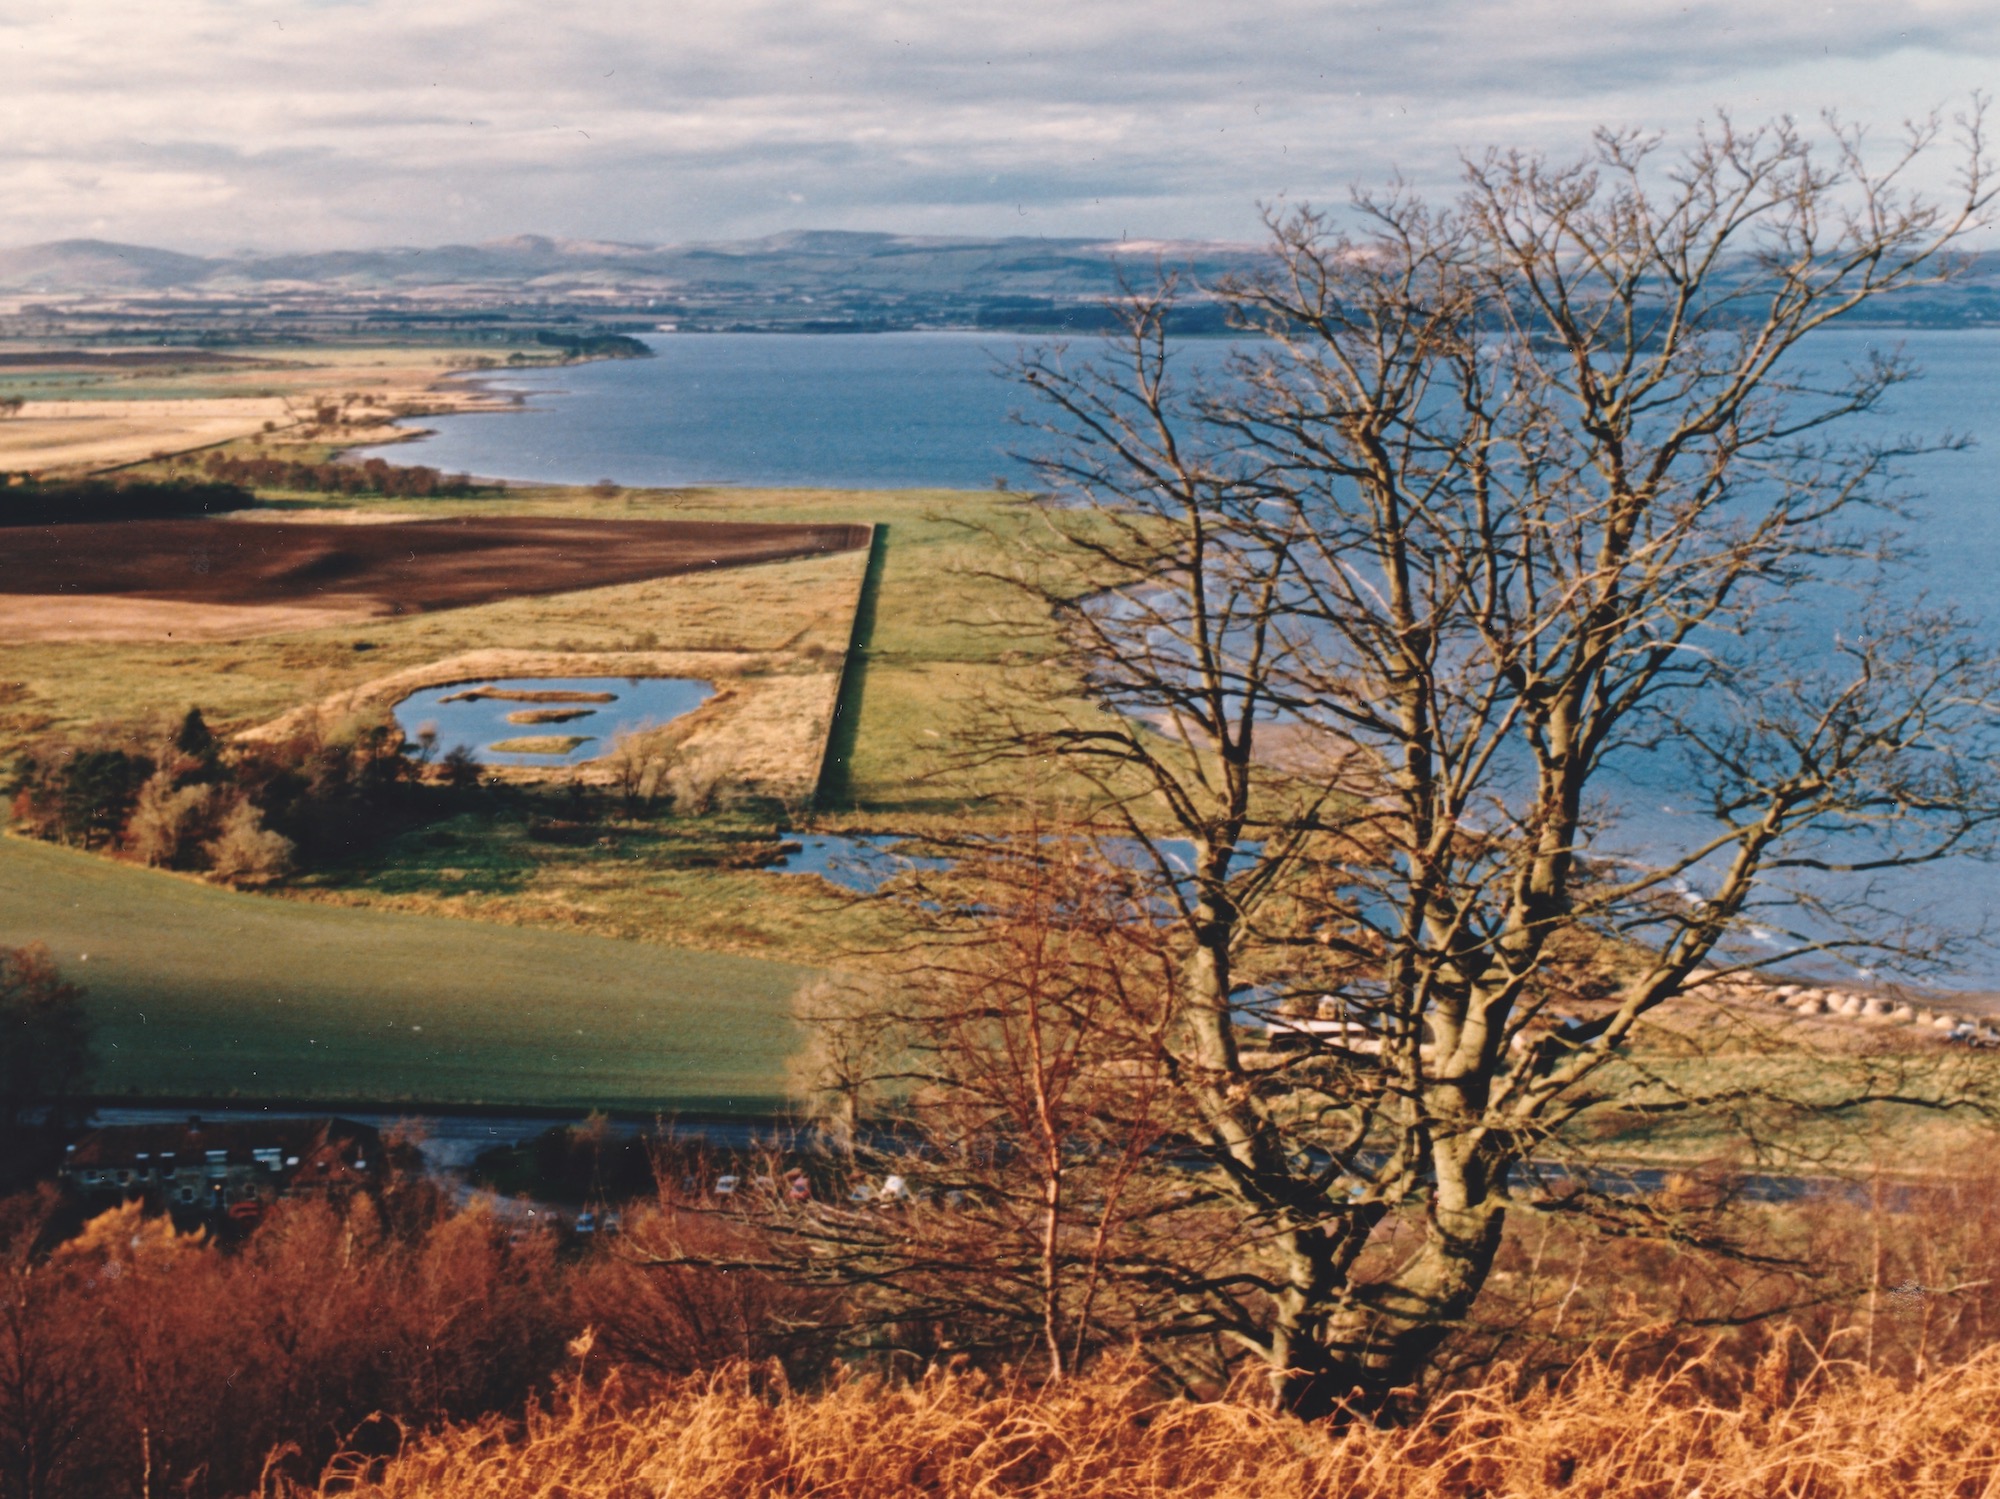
(199, 992)
(637, 970)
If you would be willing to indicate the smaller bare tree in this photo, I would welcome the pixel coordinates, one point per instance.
(701, 782)
(641, 763)
(45, 1057)
(1008, 1199)
(844, 1072)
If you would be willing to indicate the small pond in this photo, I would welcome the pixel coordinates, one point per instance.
(862, 862)
(865, 862)
(567, 720)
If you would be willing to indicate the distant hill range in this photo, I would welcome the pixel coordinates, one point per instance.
(812, 280)
(808, 279)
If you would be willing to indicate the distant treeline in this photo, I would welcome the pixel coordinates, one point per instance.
(373, 476)
(594, 345)
(35, 504)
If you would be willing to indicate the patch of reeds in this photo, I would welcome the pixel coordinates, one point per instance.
(540, 744)
(1840, 1434)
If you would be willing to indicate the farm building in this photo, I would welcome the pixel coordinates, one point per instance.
(201, 1170)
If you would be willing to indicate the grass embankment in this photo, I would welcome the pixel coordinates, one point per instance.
(1598, 1437)
(945, 639)
(201, 992)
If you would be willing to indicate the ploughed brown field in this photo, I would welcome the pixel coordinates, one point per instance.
(207, 578)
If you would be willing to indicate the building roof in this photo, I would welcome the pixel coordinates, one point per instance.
(304, 1143)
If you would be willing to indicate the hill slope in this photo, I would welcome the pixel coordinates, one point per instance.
(200, 992)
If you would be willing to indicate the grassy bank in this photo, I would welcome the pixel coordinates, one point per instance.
(946, 637)
(202, 992)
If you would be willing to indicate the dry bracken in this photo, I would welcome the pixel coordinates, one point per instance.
(1844, 1436)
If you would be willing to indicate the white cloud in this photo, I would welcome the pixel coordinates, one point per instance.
(213, 124)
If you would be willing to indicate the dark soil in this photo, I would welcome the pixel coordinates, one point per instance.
(410, 566)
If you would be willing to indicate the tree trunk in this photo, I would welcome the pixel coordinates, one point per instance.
(1383, 1336)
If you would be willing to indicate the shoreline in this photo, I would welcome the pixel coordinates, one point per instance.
(60, 437)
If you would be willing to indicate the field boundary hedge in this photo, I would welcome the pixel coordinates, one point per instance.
(97, 500)
(844, 725)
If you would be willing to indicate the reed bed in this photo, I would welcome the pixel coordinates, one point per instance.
(1843, 1434)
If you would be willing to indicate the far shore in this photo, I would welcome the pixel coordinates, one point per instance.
(375, 390)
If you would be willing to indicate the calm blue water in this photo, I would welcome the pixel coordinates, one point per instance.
(864, 862)
(850, 411)
(1955, 531)
(933, 410)
(478, 722)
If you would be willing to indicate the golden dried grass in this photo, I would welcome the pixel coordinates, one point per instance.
(111, 433)
(1846, 1436)
(31, 618)
(205, 405)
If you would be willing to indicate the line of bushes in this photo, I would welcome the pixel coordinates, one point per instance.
(371, 476)
(174, 796)
(135, 1361)
(32, 503)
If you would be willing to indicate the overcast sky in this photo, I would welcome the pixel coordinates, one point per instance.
(219, 125)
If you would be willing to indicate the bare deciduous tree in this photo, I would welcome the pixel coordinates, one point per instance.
(851, 1057)
(1513, 491)
(1013, 1204)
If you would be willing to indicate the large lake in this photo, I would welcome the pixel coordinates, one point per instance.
(938, 411)
(845, 411)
